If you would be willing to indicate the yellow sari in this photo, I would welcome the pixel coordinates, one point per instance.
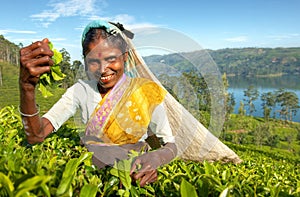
(123, 115)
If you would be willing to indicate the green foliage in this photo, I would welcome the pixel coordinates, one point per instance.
(289, 103)
(243, 62)
(55, 74)
(242, 129)
(257, 61)
(251, 94)
(69, 173)
(121, 170)
(187, 189)
(9, 84)
(60, 166)
(9, 52)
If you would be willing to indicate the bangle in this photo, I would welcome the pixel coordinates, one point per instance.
(30, 115)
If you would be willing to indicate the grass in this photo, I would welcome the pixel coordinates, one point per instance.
(10, 94)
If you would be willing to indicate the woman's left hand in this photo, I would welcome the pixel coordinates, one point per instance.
(147, 172)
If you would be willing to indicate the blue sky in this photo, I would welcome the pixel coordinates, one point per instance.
(212, 24)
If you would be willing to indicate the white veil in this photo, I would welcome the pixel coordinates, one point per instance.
(194, 141)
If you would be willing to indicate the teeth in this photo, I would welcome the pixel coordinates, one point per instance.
(106, 77)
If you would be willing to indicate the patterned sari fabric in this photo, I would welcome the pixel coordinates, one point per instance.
(123, 115)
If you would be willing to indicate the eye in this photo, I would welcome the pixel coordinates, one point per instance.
(93, 63)
(111, 59)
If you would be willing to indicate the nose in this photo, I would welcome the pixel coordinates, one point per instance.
(102, 66)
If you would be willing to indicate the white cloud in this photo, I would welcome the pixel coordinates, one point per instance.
(121, 18)
(66, 9)
(142, 25)
(58, 39)
(284, 36)
(5, 31)
(128, 21)
(46, 15)
(237, 39)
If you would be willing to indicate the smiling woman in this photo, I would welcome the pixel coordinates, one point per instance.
(122, 106)
(120, 109)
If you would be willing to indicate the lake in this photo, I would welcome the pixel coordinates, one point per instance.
(237, 85)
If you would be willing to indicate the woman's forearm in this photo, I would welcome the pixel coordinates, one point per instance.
(36, 129)
(167, 153)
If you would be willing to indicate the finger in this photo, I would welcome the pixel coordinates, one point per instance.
(134, 166)
(40, 52)
(37, 48)
(45, 40)
(150, 177)
(143, 171)
(39, 66)
(31, 47)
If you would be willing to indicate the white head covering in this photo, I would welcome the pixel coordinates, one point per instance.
(193, 140)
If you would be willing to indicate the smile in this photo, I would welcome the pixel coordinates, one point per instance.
(106, 78)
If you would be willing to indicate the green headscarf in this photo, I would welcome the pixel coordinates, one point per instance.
(110, 27)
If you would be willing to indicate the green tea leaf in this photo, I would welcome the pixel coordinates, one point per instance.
(224, 192)
(6, 183)
(57, 57)
(88, 190)
(45, 92)
(31, 184)
(57, 77)
(121, 170)
(54, 75)
(187, 189)
(50, 45)
(69, 173)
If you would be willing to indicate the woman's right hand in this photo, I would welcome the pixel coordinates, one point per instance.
(35, 60)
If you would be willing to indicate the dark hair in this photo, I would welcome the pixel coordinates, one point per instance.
(94, 34)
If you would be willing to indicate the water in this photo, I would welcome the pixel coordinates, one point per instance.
(237, 85)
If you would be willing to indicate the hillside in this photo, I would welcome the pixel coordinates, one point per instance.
(235, 62)
(232, 61)
(9, 89)
(9, 52)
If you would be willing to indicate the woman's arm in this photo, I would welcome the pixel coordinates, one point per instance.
(145, 166)
(35, 60)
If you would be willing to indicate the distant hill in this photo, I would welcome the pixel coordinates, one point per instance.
(9, 52)
(234, 62)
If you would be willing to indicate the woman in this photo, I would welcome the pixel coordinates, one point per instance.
(119, 111)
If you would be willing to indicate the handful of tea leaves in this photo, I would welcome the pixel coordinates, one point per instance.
(55, 74)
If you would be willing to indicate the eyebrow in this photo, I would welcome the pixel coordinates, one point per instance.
(111, 56)
(89, 60)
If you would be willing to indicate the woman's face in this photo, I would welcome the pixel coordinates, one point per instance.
(105, 63)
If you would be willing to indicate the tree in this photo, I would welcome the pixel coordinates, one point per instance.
(289, 103)
(200, 87)
(251, 94)
(268, 104)
(267, 112)
(261, 133)
(229, 97)
(1, 78)
(241, 109)
(9, 52)
(67, 69)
